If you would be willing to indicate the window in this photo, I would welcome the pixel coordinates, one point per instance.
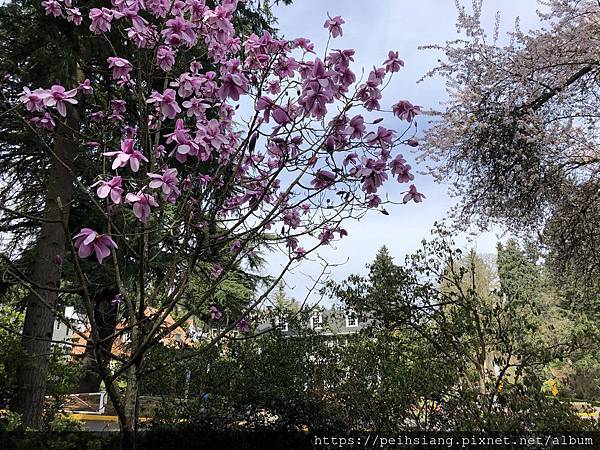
(316, 321)
(351, 319)
(281, 324)
(178, 337)
(57, 325)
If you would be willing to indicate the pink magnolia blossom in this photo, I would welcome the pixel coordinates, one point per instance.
(74, 15)
(142, 204)
(326, 236)
(243, 326)
(372, 173)
(235, 247)
(101, 19)
(86, 87)
(52, 7)
(166, 103)
(323, 178)
(393, 63)
(97, 116)
(292, 218)
(127, 154)
(111, 187)
(33, 101)
(165, 57)
(215, 313)
(46, 121)
(356, 128)
(58, 97)
(168, 182)
(120, 67)
(384, 137)
(413, 195)
(118, 109)
(88, 241)
(195, 107)
(334, 25)
(373, 201)
(304, 44)
(234, 83)
(400, 168)
(406, 110)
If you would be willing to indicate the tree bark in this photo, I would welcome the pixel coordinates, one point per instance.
(39, 319)
(105, 315)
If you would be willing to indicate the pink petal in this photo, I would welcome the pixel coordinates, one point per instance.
(84, 251)
(103, 191)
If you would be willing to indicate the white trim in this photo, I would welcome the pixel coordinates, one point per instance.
(351, 315)
(319, 322)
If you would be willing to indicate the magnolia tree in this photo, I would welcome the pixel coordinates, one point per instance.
(188, 181)
(519, 137)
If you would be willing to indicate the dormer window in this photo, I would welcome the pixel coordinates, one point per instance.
(316, 321)
(351, 319)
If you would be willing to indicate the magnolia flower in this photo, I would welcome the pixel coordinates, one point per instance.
(74, 15)
(326, 236)
(373, 174)
(393, 63)
(167, 182)
(243, 326)
(141, 205)
(33, 101)
(234, 85)
(400, 168)
(334, 25)
(413, 195)
(384, 137)
(235, 247)
(373, 201)
(127, 155)
(166, 102)
(58, 97)
(88, 241)
(165, 57)
(101, 19)
(52, 7)
(292, 218)
(356, 128)
(46, 121)
(86, 87)
(217, 270)
(406, 110)
(120, 67)
(118, 107)
(323, 178)
(215, 313)
(112, 188)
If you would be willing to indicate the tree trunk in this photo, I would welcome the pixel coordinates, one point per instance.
(129, 427)
(105, 315)
(39, 320)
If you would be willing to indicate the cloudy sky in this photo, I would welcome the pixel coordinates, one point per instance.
(373, 27)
